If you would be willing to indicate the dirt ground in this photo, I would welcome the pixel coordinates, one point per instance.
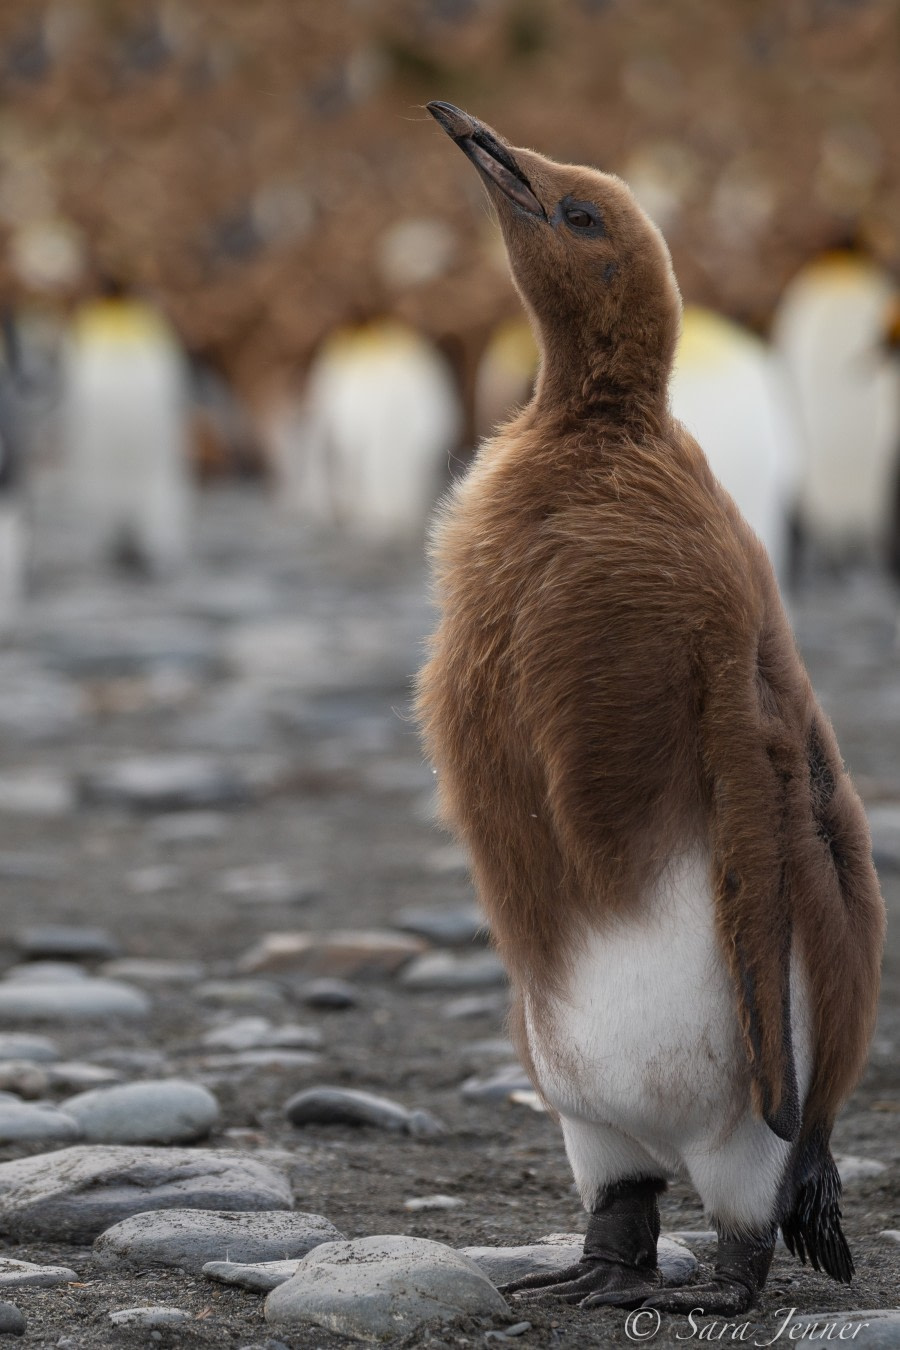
(351, 802)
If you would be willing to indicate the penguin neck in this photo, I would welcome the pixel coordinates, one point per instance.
(609, 378)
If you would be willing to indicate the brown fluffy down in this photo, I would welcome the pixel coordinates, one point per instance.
(614, 679)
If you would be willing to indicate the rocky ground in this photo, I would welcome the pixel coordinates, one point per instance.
(187, 769)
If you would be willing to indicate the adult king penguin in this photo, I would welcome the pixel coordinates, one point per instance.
(674, 861)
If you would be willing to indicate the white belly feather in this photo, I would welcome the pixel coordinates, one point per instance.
(646, 1039)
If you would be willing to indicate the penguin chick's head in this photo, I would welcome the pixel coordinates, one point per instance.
(591, 267)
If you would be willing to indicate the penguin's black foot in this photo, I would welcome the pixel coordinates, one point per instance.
(719, 1295)
(588, 1282)
(619, 1261)
(742, 1265)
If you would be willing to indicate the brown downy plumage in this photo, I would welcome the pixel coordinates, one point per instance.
(614, 681)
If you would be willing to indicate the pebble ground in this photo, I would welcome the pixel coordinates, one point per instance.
(289, 661)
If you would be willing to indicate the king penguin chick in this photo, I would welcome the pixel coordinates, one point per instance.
(675, 864)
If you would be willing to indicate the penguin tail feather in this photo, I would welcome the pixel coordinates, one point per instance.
(812, 1230)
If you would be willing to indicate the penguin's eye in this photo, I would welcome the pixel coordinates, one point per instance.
(580, 217)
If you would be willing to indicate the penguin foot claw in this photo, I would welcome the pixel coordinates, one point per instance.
(719, 1295)
(587, 1283)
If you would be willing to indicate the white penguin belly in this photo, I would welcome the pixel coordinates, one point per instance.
(646, 1037)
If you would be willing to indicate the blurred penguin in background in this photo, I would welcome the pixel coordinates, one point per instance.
(125, 433)
(368, 453)
(829, 331)
(506, 374)
(12, 432)
(728, 392)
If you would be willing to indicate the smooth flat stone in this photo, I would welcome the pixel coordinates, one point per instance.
(152, 970)
(347, 1106)
(77, 1000)
(892, 1234)
(259, 1276)
(381, 1288)
(71, 1075)
(326, 994)
(159, 1316)
(342, 953)
(36, 792)
(19, 1045)
(475, 1005)
(258, 1033)
(189, 1238)
(188, 827)
(871, 1328)
(72, 1194)
(24, 1078)
(29, 866)
(262, 1059)
(240, 993)
(445, 971)
(166, 783)
(44, 972)
(155, 880)
(50, 941)
(268, 883)
(417, 1203)
(502, 1264)
(497, 1086)
(445, 926)
(25, 1274)
(22, 1121)
(167, 1111)
(858, 1169)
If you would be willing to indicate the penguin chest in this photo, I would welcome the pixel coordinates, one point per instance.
(645, 1036)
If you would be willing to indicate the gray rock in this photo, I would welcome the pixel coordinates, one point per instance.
(44, 972)
(447, 926)
(347, 1106)
(342, 954)
(36, 792)
(20, 1121)
(418, 1203)
(268, 884)
(260, 1276)
(12, 1321)
(892, 1234)
(25, 1274)
(24, 1078)
(166, 1111)
(52, 941)
(501, 1264)
(241, 993)
(29, 867)
(326, 994)
(258, 1033)
(166, 783)
(475, 1005)
(379, 1288)
(72, 1075)
(189, 1238)
(249, 1060)
(445, 971)
(72, 1001)
(870, 1328)
(152, 971)
(858, 1169)
(19, 1045)
(188, 827)
(73, 1194)
(158, 1316)
(498, 1086)
(155, 880)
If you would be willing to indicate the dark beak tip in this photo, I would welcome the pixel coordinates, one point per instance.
(454, 121)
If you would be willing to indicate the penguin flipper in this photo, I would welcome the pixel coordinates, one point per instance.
(748, 755)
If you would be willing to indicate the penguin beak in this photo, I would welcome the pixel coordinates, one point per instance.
(490, 156)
